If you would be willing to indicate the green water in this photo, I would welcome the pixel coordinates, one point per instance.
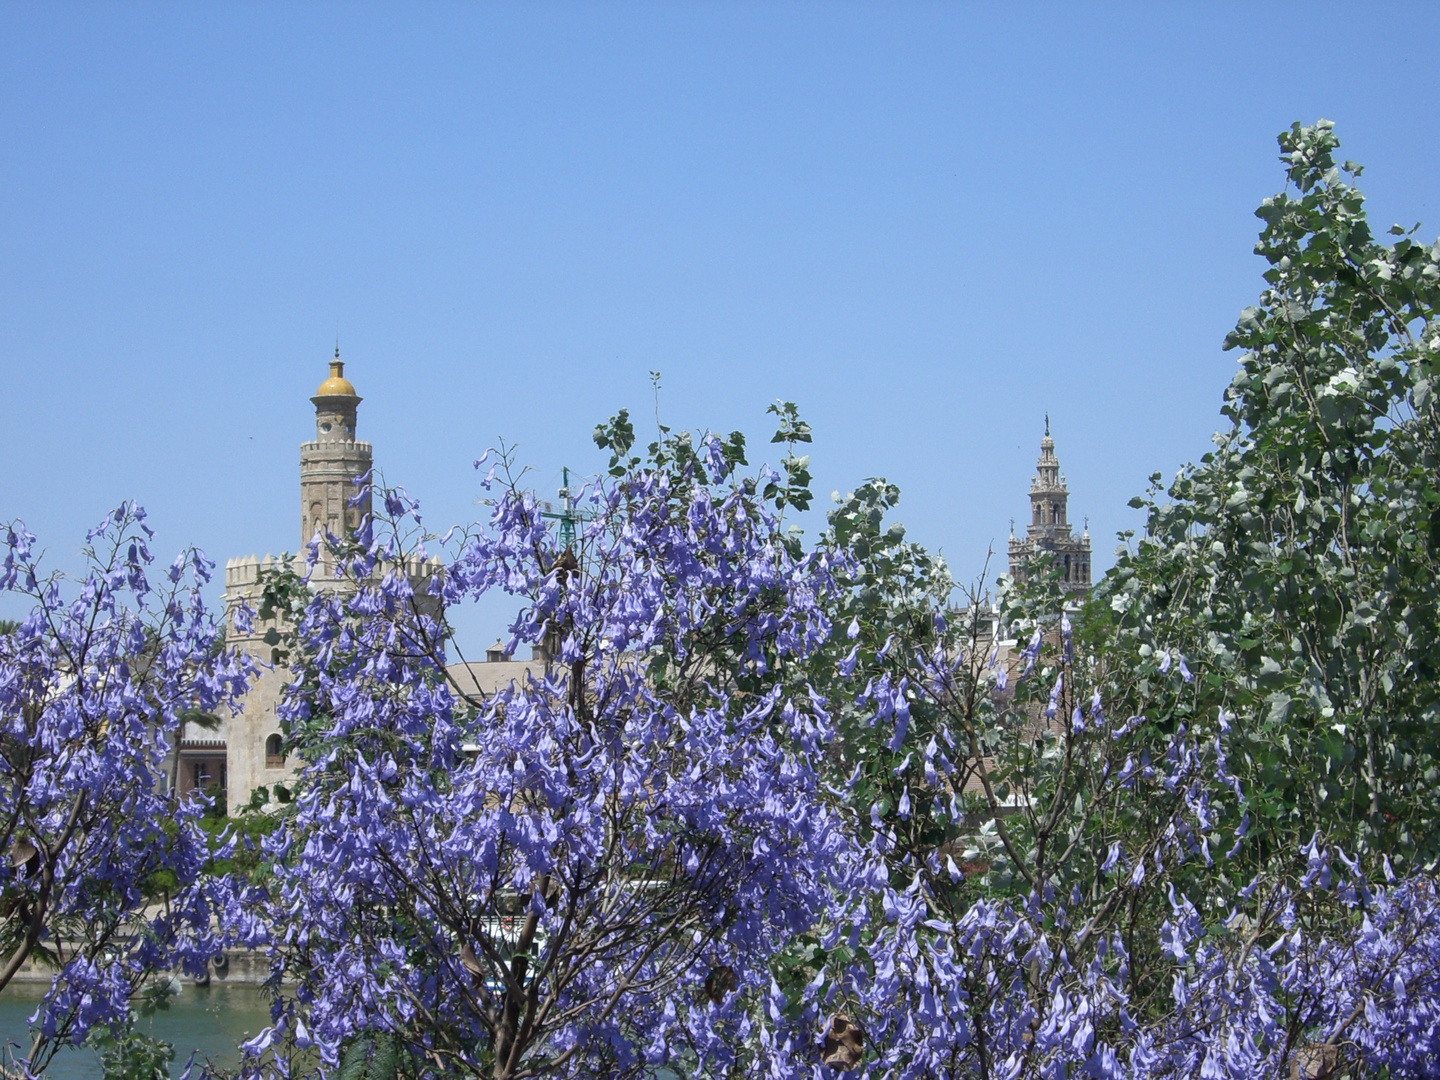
(212, 1020)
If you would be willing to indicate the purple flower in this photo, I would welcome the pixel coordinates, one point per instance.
(1054, 701)
(1030, 653)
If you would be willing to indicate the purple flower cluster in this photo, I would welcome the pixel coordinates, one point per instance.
(1320, 976)
(93, 688)
(1253, 993)
(588, 873)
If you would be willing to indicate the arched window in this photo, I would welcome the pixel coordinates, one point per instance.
(274, 757)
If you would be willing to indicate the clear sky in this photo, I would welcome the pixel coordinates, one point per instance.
(927, 224)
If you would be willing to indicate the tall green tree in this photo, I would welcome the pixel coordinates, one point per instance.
(1294, 567)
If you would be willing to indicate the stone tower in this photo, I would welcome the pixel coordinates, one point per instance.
(1049, 530)
(330, 464)
(247, 751)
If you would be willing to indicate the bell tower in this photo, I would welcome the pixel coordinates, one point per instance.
(1049, 494)
(1049, 529)
(330, 464)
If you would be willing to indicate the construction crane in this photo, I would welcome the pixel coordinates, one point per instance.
(567, 515)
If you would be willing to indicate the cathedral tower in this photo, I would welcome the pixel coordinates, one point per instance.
(1049, 529)
(330, 464)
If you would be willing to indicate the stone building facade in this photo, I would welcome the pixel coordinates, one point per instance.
(1049, 530)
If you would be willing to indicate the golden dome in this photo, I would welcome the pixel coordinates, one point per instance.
(336, 385)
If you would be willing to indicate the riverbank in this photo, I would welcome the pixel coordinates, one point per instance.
(208, 1021)
(233, 967)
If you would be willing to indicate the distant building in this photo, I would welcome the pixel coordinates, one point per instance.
(1049, 530)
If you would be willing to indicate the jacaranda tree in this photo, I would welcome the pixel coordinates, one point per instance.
(101, 875)
(574, 876)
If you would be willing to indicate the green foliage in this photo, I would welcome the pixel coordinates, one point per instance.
(207, 721)
(248, 828)
(1295, 566)
(128, 1055)
(795, 488)
(617, 435)
(372, 1057)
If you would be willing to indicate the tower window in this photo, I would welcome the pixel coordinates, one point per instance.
(274, 758)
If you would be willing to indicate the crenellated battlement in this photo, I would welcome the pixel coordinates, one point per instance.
(354, 446)
(244, 572)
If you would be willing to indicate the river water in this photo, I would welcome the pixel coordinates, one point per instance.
(212, 1020)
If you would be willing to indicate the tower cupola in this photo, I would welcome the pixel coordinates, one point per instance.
(336, 385)
(335, 403)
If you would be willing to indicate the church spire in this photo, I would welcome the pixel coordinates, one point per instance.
(1049, 529)
(1049, 495)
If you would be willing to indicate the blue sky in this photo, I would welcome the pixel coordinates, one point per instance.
(927, 224)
